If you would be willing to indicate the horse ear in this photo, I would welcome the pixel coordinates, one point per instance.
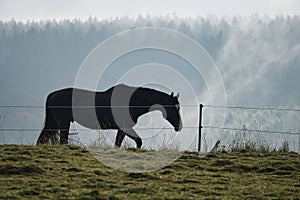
(172, 94)
(177, 96)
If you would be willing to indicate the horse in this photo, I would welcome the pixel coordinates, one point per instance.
(117, 108)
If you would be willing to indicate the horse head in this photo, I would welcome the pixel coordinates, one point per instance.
(172, 113)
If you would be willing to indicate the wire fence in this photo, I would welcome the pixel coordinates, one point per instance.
(90, 106)
(242, 133)
(199, 127)
(143, 106)
(252, 130)
(74, 130)
(251, 108)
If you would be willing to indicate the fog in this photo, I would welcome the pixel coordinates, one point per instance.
(258, 59)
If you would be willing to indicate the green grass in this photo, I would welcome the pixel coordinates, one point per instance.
(70, 172)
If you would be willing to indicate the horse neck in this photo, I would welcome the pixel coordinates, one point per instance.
(156, 98)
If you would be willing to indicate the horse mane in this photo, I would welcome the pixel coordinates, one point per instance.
(142, 89)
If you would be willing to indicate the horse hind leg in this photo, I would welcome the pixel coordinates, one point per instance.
(119, 138)
(64, 133)
(54, 138)
(133, 135)
(47, 136)
(43, 138)
(48, 133)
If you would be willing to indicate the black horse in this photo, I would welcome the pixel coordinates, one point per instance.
(117, 108)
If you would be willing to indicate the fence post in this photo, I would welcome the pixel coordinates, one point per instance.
(200, 127)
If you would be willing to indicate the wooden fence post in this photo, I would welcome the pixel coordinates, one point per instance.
(200, 127)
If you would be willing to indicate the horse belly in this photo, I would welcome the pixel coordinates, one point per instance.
(86, 118)
(90, 119)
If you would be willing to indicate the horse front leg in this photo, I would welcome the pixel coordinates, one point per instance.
(119, 138)
(133, 135)
(64, 134)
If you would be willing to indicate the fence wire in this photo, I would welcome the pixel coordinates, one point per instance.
(90, 106)
(155, 128)
(252, 130)
(252, 108)
(73, 130)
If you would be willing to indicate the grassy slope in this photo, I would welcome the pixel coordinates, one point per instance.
(69, 172)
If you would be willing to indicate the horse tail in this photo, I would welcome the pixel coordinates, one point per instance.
(42, 139)
(49, 129)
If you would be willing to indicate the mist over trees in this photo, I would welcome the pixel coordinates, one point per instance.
(258, 58)
(254, 51)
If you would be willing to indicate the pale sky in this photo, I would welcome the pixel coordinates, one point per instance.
(61, 9)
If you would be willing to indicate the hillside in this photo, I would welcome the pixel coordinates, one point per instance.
(70, 172)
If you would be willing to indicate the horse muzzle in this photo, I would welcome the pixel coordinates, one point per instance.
(178, 128)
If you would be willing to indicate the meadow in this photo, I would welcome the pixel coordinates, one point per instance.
(71, 172)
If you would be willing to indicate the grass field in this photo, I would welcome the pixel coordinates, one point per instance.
(70, 172)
